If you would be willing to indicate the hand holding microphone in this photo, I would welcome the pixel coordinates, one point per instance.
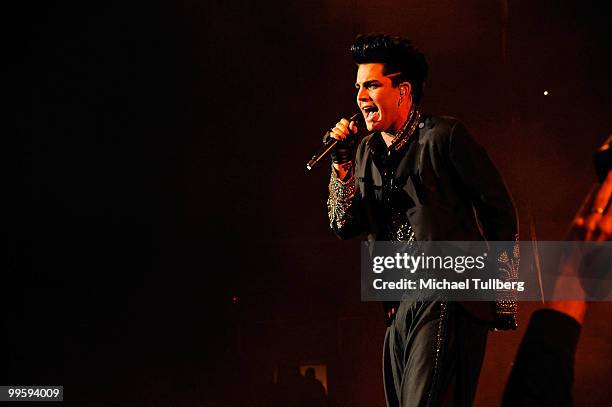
(344, 148)
(339, 141)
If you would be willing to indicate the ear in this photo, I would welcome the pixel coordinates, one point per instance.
(405, 88)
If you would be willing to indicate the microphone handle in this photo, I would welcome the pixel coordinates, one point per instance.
(328, 146)
(321, 153)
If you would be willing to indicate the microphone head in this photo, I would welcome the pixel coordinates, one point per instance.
(357, 117)
(359, 122)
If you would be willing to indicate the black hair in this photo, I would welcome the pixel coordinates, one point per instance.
(397, 54)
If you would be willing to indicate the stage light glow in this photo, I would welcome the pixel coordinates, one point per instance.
(545, 93)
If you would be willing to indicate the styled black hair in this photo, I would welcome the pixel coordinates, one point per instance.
(397, 54)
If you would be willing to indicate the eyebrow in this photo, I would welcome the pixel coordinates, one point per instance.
(371, 81)
(367, 83)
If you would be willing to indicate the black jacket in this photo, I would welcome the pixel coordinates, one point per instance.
(451, 187)
(450, 191)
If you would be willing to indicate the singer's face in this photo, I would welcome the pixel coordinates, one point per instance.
(378, 99)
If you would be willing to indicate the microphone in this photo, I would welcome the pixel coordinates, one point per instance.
(331, 142)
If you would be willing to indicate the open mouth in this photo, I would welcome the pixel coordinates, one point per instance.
(371, 113)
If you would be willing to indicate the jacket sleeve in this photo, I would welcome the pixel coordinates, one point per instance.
(344, 206)
(495, 211)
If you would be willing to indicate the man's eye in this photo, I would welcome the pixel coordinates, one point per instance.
(373, 86)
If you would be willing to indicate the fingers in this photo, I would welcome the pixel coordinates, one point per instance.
(597, 224)
(602, 198)
(605, 227)
(594, 220)
(590, 226)
(577, 230)
(341, 131)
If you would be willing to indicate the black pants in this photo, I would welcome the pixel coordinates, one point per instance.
(432, 355)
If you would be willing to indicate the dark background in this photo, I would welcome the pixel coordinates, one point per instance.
(157, 172)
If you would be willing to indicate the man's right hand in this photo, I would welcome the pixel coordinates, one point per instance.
(342, 153)
(594, 219)
(593, 222)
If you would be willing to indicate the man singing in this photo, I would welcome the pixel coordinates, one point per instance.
(419, 177)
